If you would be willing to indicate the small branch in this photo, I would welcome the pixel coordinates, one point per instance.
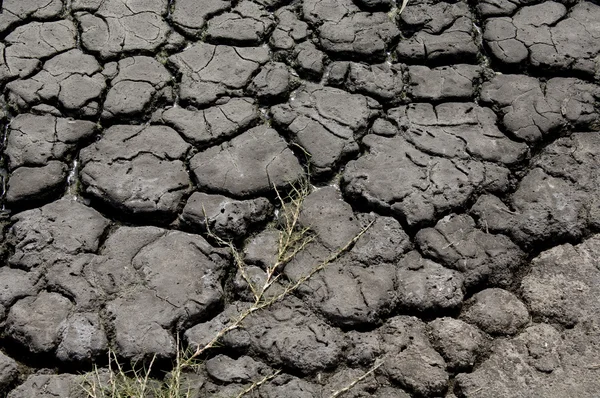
(292, 240)
(260, 304)
(350, 386)
(404, 3)
(508, 211)
(449, 245)
(317, 268)
(259, 383)
(147, 375)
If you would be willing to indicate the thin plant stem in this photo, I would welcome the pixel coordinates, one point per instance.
(354, 382)
(259, 383)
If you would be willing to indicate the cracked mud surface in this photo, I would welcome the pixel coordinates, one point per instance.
(466, 133)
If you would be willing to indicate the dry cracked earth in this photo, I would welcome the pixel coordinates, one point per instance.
(467, 132)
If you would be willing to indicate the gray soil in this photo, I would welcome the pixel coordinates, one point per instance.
(138, 135)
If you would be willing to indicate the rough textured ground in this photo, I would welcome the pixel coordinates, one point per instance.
(467, 131)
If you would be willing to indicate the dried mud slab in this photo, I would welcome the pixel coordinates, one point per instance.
(138, 82)
(358, 35)
(172, 279)
(347, 293)
(228, 370)
(38, 149)
(247, 23)
(112, 27)
(210, 72)
(142, 140)
(425, 286)
(494, 8)
(35, 140)
(447, 154)
(442, 32)
(47, 386)
(309, 61)
(496, 312)
(8, 371)
(28, 185)
(458, 130)
(248, 165)
(383, 82)
(225, 217)
(424, 186)
(72, 79)
(565, 294)
(344, 30)
(548, 36)
(38, 318)
(532, 114)
(360, 287)
(546, 360)
(289, 386)
(410, 360)
(37, 322)
(273, 82)
(324, 122)
(191, 15)
(297, 338)
(132, 291)
(461, 344)
(481, 257)
(15, 12)
(377, 277)
(42, 235)
(445, 83)
(213, 125)
(371, 386)
(555, 200)
(289, 31)
(138, 170)
(24, 48)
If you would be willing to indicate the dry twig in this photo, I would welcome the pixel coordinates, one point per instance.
(354, 382)
(259, 383)
(293, 238)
